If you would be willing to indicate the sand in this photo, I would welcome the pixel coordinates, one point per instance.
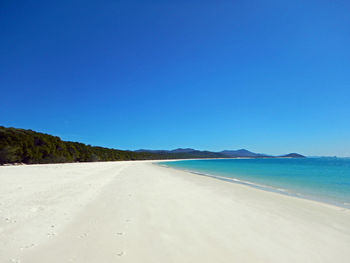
(140, 212)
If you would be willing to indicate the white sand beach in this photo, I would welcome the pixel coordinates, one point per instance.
(141, 212)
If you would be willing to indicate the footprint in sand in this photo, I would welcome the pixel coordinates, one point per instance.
(51, 234)
(119, 254)
(27, 246)
(84, 235)
(9, 220)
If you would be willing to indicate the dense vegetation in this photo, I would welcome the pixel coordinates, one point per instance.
(27, 146)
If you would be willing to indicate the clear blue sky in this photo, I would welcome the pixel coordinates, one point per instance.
(269, 76)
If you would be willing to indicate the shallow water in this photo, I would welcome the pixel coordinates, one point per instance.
(321, 179)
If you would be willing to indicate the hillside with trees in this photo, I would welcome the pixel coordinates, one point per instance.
(27, 146)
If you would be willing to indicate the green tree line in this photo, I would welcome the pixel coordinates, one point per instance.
(27, 146)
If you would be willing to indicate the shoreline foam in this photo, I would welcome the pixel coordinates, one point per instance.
(269, 188)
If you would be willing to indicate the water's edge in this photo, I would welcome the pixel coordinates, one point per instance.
(260, 186)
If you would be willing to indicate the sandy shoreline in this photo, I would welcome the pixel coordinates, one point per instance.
(140, 212)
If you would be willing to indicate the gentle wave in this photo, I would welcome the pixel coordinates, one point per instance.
(284, 191)
(235, 180)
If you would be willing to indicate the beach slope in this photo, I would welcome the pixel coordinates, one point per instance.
(141, 212)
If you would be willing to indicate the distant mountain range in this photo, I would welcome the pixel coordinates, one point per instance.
(29, 147)
(241, 153)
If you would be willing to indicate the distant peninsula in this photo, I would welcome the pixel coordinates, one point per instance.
(30, 147)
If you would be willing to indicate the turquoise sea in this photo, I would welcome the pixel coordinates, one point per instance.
(322, 179)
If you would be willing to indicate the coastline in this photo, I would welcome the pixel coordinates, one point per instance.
(259, 186)
(138, 211)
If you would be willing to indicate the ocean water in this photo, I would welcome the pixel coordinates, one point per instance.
(321, 179)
